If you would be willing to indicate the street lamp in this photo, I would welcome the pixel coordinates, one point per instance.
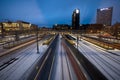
(37, 40)
(77, 40)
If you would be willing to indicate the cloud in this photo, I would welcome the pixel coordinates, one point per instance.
(22, 10)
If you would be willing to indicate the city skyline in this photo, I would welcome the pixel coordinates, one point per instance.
(47, 13)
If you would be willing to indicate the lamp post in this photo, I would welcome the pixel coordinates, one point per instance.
(77, 40)
(37, 40)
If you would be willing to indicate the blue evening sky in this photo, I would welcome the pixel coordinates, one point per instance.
(49, 12)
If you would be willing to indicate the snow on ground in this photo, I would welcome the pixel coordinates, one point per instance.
(107, 61)
(63, 67)
(16, 70)
(104, 61)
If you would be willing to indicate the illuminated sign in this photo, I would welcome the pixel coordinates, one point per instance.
(104, 9)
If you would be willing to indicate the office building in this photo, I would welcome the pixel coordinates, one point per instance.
(104, 16)
(75, 19)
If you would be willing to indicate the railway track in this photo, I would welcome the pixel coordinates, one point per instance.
(16, 64)
(79, 73)
(48, 65)
(115, 57)
(106, 60)
(102, 54)
(112, 57)
(101, 62)
(44, 65)
(19, 58)
(65, 63)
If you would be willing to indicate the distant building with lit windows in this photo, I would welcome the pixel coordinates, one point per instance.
(61, 27)
(75, 19)
(24, 25)
(10, 26)
(115, 29)
(0, 28)
(104, 16)
(14, 26)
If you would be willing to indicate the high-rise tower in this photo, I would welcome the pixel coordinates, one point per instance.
(104, 16)
(75, 19)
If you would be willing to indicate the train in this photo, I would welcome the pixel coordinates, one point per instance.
(70, 39)
(47, 42)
